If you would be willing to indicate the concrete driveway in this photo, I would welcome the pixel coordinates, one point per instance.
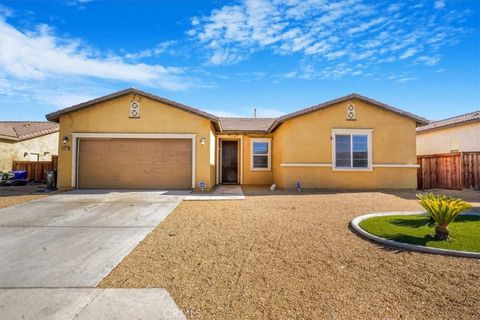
(75, 239)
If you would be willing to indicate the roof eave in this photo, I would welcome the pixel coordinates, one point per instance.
(244, 131)
(458, 124)
(419, 120)
(55, 116)
(9, 138)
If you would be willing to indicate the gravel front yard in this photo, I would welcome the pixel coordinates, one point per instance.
(288, 256)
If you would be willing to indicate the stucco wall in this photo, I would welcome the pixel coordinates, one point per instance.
(14, 151)
(308, 139)
(463, 138)
(113, 117)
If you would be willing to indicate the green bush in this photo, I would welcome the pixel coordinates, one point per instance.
(443, 210)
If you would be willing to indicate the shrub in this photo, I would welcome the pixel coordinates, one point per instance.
(442, 210)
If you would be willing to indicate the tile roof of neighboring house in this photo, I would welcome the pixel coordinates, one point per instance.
(381, 105)
(246, 124)
(23, 130)
(55, 116)
(450, 122)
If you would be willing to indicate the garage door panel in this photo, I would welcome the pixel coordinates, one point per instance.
(135, 163)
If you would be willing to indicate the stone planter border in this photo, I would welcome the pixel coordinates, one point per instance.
(355, 223)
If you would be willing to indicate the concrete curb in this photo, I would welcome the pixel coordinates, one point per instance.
(355, 223)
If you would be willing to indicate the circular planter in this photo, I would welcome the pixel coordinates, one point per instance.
(355, 223)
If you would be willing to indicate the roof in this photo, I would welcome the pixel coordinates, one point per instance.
(55, 116)
(453, 121)
(419, 120)
(23, 130)
(260, 125)
(254, 125)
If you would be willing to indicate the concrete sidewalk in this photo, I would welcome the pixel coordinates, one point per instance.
(88, 304)
(221, 192)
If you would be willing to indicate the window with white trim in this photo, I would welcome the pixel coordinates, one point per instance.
(261, 154)
(352, 149)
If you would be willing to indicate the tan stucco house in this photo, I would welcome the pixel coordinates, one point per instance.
(27, 141)
(457, 134)
(135, 140)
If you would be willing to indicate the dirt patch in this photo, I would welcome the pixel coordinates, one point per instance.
(10, 196)
(13, 200)
(289, 256)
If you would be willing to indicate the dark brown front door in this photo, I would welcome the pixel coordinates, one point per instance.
(229, 161)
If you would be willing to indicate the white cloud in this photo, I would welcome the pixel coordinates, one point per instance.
(401, 78)
(439, 4)
(429, 61)
(410, 52)
(366, 25)
(327, 33)
(5, 11)
(405, 79)
(39, 55)
(159, 49)
(290, 75)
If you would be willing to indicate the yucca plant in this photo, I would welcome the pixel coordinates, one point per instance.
(442, 210)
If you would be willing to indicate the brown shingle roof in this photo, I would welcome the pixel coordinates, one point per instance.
(23, 130)
(453, 121)
(246, 124)
(381, 105)
(55, 116)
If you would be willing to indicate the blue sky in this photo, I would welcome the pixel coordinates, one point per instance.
(227, 57)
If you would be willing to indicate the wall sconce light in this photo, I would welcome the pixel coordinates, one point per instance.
(65, 140)
(25, 154)
(45, 153)
(203, 141)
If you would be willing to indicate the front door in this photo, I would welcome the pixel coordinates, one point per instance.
(229, 161)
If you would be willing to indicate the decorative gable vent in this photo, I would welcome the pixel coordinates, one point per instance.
(351, 112)
(135, 109)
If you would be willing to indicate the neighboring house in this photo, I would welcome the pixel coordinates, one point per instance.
(27, 141)
(456, 134)
(133, 139)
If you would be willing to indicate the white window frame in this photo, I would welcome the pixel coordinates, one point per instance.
(269, 155)
(368, 133)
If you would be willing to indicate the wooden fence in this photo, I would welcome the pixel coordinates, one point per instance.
(449, 171)
(36, 169)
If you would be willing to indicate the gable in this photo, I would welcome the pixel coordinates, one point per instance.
(344, 101)
(336, 116)
(131, 92)
(114, 116)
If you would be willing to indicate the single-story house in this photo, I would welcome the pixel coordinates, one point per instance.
(27, 141)
(456, 134)
(136, 140)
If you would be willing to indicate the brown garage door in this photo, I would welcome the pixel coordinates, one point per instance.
(135, 164)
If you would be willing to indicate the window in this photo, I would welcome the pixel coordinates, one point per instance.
(352, 149)
(261, 154)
